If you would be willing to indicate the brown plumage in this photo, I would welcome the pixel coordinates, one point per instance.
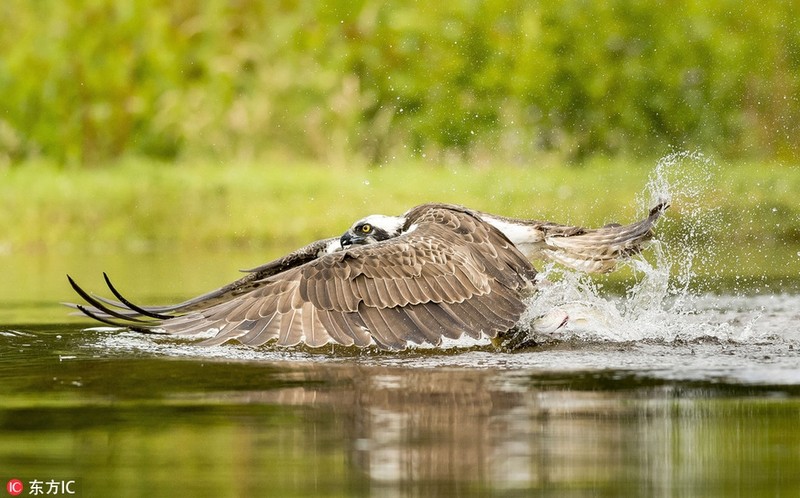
(439, 271)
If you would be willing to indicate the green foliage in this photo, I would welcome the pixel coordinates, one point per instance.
(86, 80)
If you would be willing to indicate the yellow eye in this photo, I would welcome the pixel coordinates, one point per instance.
(366, 228)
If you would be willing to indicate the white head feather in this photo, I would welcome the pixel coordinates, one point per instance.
(391, 224)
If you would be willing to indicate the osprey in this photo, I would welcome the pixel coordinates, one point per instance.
(438, 271)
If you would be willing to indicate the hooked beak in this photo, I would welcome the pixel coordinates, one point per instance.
(348, 239)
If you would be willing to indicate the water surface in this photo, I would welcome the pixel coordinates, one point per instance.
(712, 413)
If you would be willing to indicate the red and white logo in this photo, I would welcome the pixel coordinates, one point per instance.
(14, 487)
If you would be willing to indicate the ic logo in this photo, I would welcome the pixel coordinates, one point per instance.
(14, 487)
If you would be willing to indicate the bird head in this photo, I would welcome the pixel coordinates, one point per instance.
(373, 228)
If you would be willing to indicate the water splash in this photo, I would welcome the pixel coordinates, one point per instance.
(686, 180)
(662, 303)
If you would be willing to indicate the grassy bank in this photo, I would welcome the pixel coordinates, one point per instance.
(740, 220)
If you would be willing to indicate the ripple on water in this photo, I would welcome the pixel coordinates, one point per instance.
(748, 340)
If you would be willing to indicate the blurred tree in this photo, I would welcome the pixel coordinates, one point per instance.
(87, 80)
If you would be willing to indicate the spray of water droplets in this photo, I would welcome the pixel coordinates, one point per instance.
(662, 304)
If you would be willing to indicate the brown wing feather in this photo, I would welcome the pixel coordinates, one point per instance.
(439, 280)
(599, 250)
(585, 249)
(102, 308)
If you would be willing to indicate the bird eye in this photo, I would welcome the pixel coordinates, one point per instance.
(366, 228)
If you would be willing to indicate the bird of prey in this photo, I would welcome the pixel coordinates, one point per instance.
(438, 271)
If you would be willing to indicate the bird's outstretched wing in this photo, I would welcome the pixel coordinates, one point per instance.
(452, 275)
(104, 308)
(599, 250)
(591, 250)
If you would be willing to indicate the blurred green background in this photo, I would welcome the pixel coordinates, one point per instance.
(195, 127)
(85, 81)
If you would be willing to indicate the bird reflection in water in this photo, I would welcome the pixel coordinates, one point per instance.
(484, 429)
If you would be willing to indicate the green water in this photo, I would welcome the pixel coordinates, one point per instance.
(134, 423)
(128, 415)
